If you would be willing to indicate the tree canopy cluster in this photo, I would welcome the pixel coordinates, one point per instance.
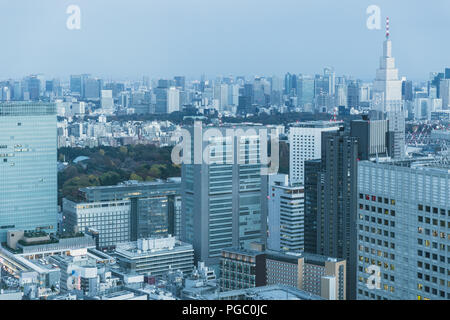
(111, 165)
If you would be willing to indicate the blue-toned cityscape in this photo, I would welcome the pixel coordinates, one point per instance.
(294, 186)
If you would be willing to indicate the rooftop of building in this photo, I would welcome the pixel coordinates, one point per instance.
(273, 292)
(149, 247)
(134, 183)
(292, 257)
(438, 164)
(316, 124)
(27, 108)
(241, 251)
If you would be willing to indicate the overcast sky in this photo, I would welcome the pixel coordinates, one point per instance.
(163, 38)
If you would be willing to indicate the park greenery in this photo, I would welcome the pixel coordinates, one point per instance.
(110, 165)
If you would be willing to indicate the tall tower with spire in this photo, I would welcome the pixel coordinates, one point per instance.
(387, 98)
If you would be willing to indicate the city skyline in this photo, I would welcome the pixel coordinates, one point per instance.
(298, 183)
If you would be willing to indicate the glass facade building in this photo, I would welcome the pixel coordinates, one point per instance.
(28, 173)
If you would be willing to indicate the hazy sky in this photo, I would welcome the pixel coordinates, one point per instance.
(163, 38)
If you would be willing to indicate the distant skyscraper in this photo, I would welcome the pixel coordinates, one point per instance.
(173, 100)
(387, 98)
(180, 82)
(407, 90)
(28, 155)
(306, 93)
(444, 89)
(290, 84)
(353, 91)
(92, 88)
(107, 102)
(447, 73)
(221, 94)
(33, 87)
(76, 84)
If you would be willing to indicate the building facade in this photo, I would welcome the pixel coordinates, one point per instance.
(403, 230)
(28, 154)
(224, 201)
(286, 216)
(126, 212)
(305, 140)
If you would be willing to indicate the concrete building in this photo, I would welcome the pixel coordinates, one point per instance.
(286, 215)
(224, 200)
(305, 141)
(155, 256)
(319, 275)
(127, 211)
(331, 202)
(372, 135)
(241, 269)
(267, 293)
(403, 230)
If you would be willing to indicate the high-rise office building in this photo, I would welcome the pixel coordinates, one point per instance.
(180, 82)
(221, 94)
(403, 230)
(173, 100)
(33, 87)
(286, 217)
(76, 84)
(107, 102)
(353, 91)
(305, 92)
(92, 88)
(444, 89)
(290, 84)
(305, 141)
(372, 135)
(334, 212)
(28, 154)
(161, 100)
(387, 98)
(224, 201)
(407, 90)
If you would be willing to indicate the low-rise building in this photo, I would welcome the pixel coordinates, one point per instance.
(155, 256)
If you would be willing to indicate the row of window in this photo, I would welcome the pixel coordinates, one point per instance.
(377, 199)
(435, 210)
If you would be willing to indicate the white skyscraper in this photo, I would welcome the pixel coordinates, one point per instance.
(305, 143)
(107, 102)
(387, 97)
(286, 215)
(173, 100)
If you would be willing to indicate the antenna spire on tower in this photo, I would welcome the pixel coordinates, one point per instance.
(387, 28)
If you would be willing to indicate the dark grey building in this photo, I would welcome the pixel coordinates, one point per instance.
(330, 195)
(372, 135)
